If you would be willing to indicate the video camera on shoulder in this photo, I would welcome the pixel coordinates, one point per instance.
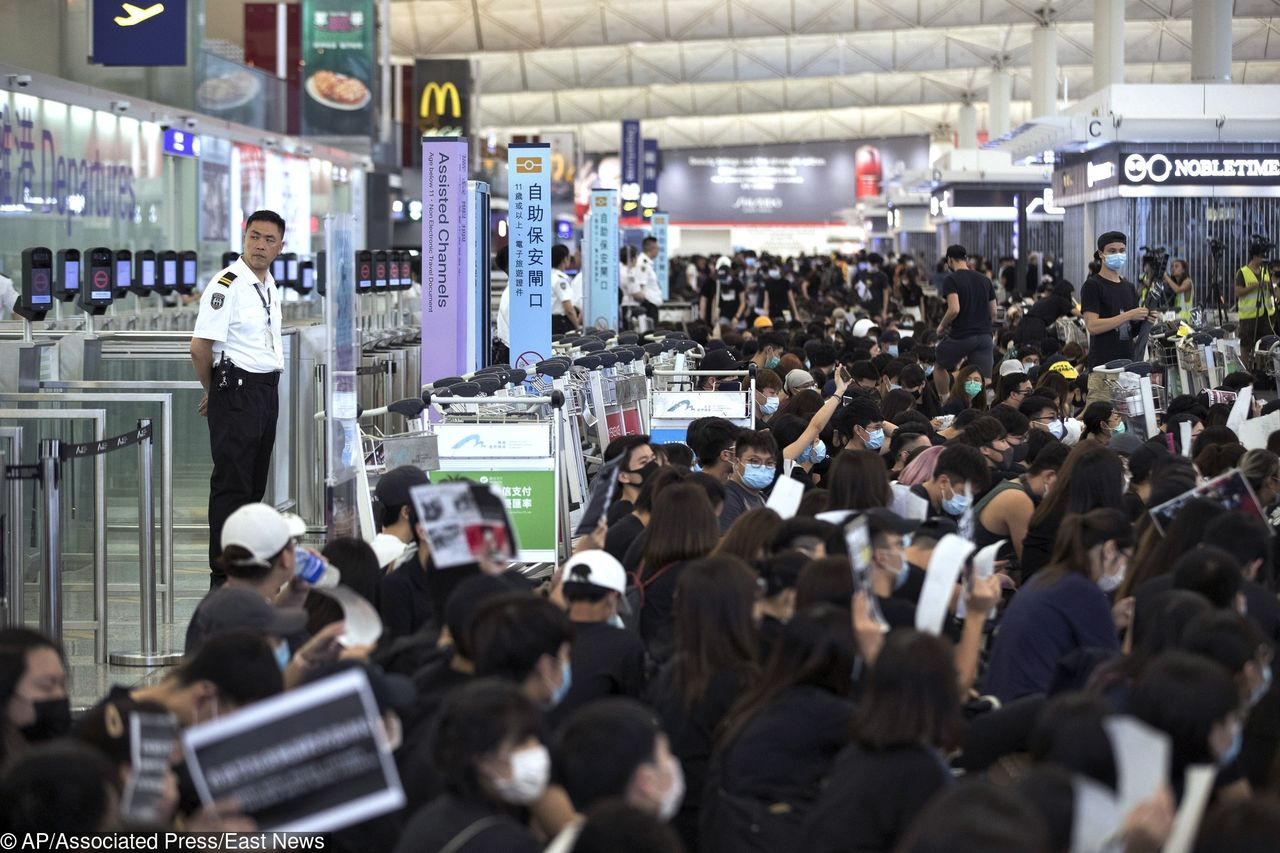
(1261, 246)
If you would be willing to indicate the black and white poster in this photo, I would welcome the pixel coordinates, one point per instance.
(314, 759)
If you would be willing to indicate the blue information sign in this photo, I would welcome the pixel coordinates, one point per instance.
(141, 33)
(601, 293)
(530, 234)
(662, 263)
(630, 156)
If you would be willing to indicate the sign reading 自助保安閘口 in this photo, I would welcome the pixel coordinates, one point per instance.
(140, 34)
(337, 52)
(530, 235)
(601, 294)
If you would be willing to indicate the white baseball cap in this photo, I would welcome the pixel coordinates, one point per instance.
(598, 568)
(259, 529)
(297, 527)
(1012, 365)
(861, 328)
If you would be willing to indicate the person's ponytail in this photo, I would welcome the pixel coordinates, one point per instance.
(1080, 533)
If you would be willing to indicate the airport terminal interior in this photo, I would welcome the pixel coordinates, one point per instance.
(721, 425)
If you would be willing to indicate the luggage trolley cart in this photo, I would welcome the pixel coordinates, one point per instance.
(1163, 348)
(554, 375)
(512, 443)
(1267, 355)
(1196, 363)
(673, 410)
(1137, 398)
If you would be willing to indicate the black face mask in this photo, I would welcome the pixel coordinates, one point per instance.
(53, 720)
(645, 471)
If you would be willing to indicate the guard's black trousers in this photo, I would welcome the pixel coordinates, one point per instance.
(242, 432)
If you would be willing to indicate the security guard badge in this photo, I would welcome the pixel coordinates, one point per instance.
(216, 301)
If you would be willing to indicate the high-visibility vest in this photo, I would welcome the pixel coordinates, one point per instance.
(1182, 303)
(1256, 303)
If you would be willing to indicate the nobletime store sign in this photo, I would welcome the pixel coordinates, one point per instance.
(1153, 172)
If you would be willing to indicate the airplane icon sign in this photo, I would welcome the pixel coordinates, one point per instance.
(136, 15)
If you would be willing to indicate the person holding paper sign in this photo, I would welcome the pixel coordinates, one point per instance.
(1064, 607)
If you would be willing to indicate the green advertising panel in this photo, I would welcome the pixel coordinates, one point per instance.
(531, 501)
(337, 77)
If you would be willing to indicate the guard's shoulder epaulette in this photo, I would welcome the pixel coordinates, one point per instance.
(226, 279)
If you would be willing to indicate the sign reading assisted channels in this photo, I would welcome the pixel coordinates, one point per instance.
(444, 247)
(311, 760)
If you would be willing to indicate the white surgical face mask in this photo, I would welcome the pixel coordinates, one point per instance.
(530, 771)
(673, 797)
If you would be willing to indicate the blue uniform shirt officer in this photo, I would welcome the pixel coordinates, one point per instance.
(238, 358)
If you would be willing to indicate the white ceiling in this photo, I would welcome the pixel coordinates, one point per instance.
(706, 72)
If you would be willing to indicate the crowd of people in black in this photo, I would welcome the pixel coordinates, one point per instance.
(706, 674)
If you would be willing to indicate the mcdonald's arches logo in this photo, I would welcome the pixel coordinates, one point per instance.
(440, 100)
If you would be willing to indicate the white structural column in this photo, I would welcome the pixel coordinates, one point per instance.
(1108, 43)
(968, 127)
(1211, 41)
(1044, 71)
(999, 93)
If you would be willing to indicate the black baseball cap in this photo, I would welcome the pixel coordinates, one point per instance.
(393, 487)
(881, 520)
(1112, 237)
(956, 252)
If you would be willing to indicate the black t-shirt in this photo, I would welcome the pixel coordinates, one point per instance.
(1109, 299)
(607, 661)
(976, 295)
(877, 283)
(779, 290)
(1049, 309)
(621, 534)
(730, 293)
(707, 290)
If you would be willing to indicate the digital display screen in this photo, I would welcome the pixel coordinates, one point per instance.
(277, 270)
(308, 278)
(100, 284)
(148, 274)
(71, 275)
(124, 273)
(364, 280)
(189, 273)
(41, 286)
(293, 270)
(170, 272)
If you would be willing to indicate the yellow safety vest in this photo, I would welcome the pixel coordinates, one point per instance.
(1182, 303)
(1249, 305)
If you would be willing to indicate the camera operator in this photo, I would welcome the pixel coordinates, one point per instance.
(1178, 281)
(1256, 300)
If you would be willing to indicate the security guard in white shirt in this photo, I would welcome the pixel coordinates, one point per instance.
(238, 358)
(564, 316)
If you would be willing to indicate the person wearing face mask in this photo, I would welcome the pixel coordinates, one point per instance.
(780, 295)
(772, 345)
(1005, 511)
(859, 425)
(1064, 607)
(1041, 413)
(605, 659)
(493, 768)
(1111, 312)
(890, 534)
(754, 472)
(33, 690)
(1197, 704)
(960, 473)
(768, 394)
(615, 748)
(966, 392)
(1101, 422)
(637, 467)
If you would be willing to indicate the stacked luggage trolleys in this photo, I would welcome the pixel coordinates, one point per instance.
(1205, 358)
(1135, 396)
